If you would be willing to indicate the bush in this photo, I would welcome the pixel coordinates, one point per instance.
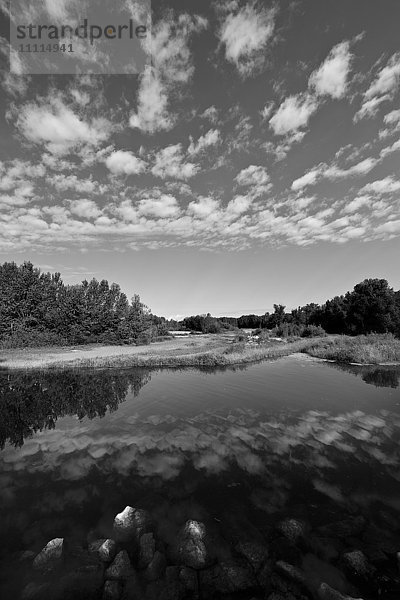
(236, 348)
(313, 331)
(144, 338)
(32, 338)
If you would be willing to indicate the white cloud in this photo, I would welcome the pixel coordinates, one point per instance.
(18, 174)
(392, 117)
(169, 162)
(85, 208)
(172, 65)
(72, 182)
(124, 162)
(253, 175)
(245, 35)
(152, 106)
(383, 88)
(211, 138)
(239, 204)
(356, 204)
(330, 79)
(333, 172)
(267, 111)
(361, 168)
(165, 206)
(170, 50)
(293, 114)
(211, 113)
(203, 207)
(388, 185)
(58, 128)
(308, 178)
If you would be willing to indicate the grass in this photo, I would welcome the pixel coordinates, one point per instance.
(206, 351)
(231, 355)
(363, 349)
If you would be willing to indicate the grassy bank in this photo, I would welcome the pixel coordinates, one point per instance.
(210, 358)
(197, 351)
(363, 349)
(205, 351)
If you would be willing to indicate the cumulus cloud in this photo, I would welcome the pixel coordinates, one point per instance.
(72, 182)
(330, 79)
(85, 208)
(162, 207)
(211, 138)
(245, 34)
(172, 66)
(152, 105)
(239, 204)
(58, 128)
(253, 175)
(382, 89)
(332, 172)
(388, 185)
(122, 162)
(203, 207)
(170, 162)
(293, 114)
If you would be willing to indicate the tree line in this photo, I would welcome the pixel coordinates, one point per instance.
(37, 308)
(371, 307)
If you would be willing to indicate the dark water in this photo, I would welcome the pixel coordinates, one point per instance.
(239, 449)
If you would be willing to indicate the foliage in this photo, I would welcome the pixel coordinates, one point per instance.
(33, 402)
(368, 349)
(37, 309)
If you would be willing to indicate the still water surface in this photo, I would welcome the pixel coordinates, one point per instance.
(239, 449)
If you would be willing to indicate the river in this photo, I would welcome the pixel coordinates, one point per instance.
(296, 457)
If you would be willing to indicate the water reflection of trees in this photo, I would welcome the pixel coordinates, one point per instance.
(33, 402)
(379, 376)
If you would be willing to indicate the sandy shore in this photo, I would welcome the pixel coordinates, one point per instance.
(96, 355)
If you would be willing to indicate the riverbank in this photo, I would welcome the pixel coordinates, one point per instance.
(204, 351)
(195, 351)
(373, 349)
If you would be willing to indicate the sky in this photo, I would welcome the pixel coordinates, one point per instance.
(255, 159)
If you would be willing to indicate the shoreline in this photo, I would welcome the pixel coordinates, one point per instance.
(209, 350)
(201, 351)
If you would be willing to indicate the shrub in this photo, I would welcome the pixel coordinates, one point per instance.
(32, 338)
(313, 331)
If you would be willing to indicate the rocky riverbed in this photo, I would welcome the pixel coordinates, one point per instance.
(340, 560)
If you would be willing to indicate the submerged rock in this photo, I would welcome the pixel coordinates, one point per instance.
(325, 592)
(51, 555)
(112, 590)
(292, 529)
(227, 577)
(192, 550)
(108, 550)
(156, 568)
(121, 567)
(147, 548)
(288, 570)
(288, 588)
(188, 578)
(95, 545)
(356, 563)
(255, 553)
(131, 523)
